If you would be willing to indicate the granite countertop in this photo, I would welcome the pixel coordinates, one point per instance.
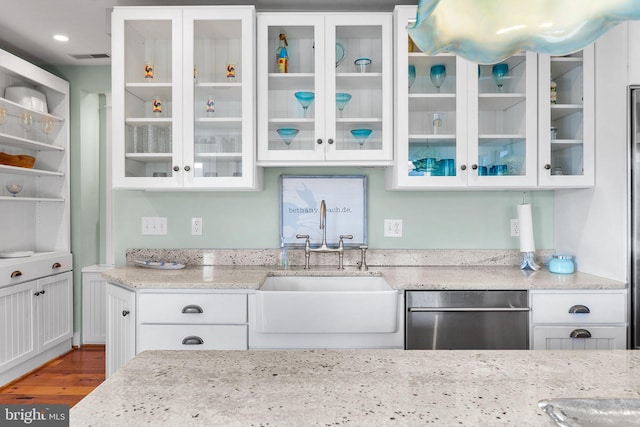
(402, 278)
(371, 387)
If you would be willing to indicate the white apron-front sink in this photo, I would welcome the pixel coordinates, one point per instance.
(318, 304)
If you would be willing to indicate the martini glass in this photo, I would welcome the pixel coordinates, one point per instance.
(361, 135)
(287, 135)
(342, 99)
(305, 99)
(499, 72)
(438, 74)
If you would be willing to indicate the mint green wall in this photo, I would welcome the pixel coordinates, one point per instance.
(86, 83)
(431, 220)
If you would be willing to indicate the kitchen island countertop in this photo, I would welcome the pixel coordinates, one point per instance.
(399, 277)
(371, 387)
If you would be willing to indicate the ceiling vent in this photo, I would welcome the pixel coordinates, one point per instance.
(91, 56)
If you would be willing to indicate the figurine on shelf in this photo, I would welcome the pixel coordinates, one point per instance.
(282, 55)
(554, 92)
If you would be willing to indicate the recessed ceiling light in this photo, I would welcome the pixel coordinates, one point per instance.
(61, 38)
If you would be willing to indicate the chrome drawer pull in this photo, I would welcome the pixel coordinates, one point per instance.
(192, 340)
(580, 333)
(579, 308)
(16, 273)
(192, 309)
(56, 265)
(124, 313)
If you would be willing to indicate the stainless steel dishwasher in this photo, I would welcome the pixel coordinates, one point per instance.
(467, 320)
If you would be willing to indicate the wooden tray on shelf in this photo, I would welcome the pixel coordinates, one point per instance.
(20, 160)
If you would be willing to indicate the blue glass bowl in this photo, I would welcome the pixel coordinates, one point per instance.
(500, 70)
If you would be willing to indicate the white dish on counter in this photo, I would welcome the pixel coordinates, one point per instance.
(16, 254)
(160, 265)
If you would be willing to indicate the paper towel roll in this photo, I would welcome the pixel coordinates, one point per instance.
(526, 228)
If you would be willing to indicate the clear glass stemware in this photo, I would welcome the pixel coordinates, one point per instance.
(438, 74)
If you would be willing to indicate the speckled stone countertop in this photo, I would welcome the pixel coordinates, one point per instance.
(406, 277)
(359, 388)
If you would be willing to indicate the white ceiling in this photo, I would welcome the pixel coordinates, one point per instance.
(27, 26)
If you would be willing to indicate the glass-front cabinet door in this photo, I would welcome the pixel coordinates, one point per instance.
(324, 89)
(147, 96)
(566, 104)
(183, 97)
(430, 114)
(503, 122)
(219, 97)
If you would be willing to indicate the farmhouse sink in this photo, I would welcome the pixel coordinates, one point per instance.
(319, 304)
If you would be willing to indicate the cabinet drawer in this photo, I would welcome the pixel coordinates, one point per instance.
(593, 338)
(192, 308)
(192, 337)
(570, 308)
(19, 270)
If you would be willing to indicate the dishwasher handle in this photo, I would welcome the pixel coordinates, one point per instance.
(465, 309)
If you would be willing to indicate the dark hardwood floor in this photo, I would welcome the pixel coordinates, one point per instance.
(65, 380)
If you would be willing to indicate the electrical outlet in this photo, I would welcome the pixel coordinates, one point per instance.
(154, 225)
(392, 228)
(196, 226)
(515, 228)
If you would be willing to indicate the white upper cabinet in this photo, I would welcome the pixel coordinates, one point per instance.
(334, 103)
(567, 106)
(184, 97)
(460, 124)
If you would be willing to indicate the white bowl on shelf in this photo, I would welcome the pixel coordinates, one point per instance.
(27, 97)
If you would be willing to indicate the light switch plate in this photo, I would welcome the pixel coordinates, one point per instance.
(154, 225)
(392, 228)
(196, 226)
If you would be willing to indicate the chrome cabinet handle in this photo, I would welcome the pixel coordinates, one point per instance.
(124, 313)
(176, 168)
(192, 309)
(56, 265)
(319, 141)
(330, 141)
(36, 294)
(580, 333)
(463, 167)
(16, 273)
(579, 309)
(42, 292)
(547, 166)
(474, 166)
(187, 168)
(192, 340)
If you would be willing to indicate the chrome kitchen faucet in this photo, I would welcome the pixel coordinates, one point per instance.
(323, 247)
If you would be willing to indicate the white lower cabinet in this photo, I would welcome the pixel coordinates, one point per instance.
(192, 321)
(579, 320)
(121, 327)
(173, 320)
(36, 324)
